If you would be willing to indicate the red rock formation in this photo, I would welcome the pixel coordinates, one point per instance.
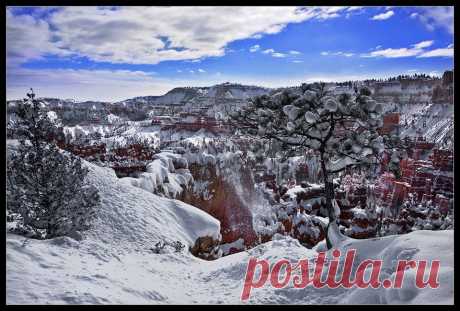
(308, 230)
(223, 203)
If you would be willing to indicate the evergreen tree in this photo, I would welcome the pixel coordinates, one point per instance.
(45, 185)
(343, 130)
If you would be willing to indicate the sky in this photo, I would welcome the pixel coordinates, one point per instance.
(115, 53)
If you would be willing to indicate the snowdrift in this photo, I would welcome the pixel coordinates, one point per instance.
(113, 264)
(134, 218)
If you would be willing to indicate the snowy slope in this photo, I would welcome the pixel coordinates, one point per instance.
(438, 118)
(108, 268)
(418, 245)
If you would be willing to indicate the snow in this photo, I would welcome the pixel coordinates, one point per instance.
(111, 118)
(340, 163)
(63, 271)
(12, 143)
(162, 177)
(331, 105)
(417, 245)
(438, 119)
(52, 116)
(137, 215)
(202, 158)
(336, 208)
(238, 244)
(305, 224)
(290, 126)
(113, 263)
(310, 117)
(129, 130)
(309, 95)
(291, 111)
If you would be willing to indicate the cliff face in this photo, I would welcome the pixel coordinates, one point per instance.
(201, 95)
(221, 185)
(409, 91)
(443, 93)
(218, 194)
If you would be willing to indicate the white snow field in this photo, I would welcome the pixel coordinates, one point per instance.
(113, 263)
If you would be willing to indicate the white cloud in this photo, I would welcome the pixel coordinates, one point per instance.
(338, 53)
(393, 53)
(442, 52)
(383, 16)
(27, 38)
(296, 61)
(191, 71)
(293, 52)
(104, 85)
(276, 54)
(129, 35)
(178, 70)
(324, 13)
(423, 44)
(417, 49)
(268, 51)
(376, 48)
(254, 48)
(354, 8)
(436, 17)
(201, 70)
(273, 53)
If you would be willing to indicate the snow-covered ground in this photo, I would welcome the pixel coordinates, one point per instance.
(113, 262)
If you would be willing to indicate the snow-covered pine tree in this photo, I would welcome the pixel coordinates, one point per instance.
(342, 129)
(46, 185)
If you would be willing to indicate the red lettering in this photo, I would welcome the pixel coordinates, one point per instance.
(249, 280)
(274, 277)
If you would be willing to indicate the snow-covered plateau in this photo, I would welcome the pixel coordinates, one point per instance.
(113, 262)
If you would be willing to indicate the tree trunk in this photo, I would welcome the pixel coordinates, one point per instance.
(329, 194)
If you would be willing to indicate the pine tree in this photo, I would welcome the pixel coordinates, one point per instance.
(342, 130)
(46, 186)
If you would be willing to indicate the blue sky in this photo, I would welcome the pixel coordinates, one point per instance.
(119, 52)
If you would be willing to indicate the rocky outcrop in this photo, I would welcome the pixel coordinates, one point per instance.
(308, 229)
(206, 248)
(219, 197)
(222, 186)
(296, 215)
